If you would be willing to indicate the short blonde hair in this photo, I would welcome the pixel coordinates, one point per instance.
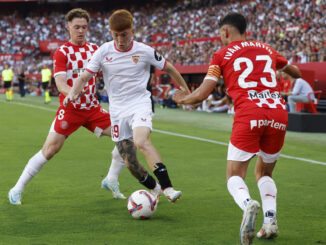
(121, 20)
(77, 13)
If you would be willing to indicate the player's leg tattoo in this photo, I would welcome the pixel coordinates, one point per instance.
(128, 152)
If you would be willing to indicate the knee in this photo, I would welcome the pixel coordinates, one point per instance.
(290, 98)
(50, 150)
(141, 144)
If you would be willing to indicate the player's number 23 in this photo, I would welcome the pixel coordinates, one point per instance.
(250, 66)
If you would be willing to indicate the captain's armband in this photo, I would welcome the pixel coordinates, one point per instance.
(213, 73)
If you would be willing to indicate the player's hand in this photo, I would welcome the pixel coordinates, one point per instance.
(69, 98)
(179, 95)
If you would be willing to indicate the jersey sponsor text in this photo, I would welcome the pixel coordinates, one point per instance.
(267, 123)
(270, 99)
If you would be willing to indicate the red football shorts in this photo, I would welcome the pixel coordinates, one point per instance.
(259, 129)
(68, 120)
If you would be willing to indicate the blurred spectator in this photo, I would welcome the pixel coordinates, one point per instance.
(21, 79)
(101, 93)
(31, 86)
(285, 83)
(168, 97)
(299, 93)
(214, 99)
(222, 105)
(218, 101)
(53, 89)
(231, 105)
(157, 92)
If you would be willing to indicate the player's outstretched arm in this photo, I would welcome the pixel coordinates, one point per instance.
(176, 76)
(77, 89)
(201, 93)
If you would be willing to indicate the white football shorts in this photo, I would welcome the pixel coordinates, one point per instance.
(236, 154)
(122, 128)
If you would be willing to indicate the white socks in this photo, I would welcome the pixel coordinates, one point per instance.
(32, 167)
(239, 191)
(268, 191)
(116, 167)
(267, 188)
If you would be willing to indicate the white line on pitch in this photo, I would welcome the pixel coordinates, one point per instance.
(30, 105)
(191, 137)
(181, 135)
(225, 144)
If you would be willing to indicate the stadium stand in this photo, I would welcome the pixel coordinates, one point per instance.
(296, 28)
(184, 31)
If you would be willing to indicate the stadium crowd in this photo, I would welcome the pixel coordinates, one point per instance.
(296, 28)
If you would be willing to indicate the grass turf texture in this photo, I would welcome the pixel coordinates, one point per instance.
(64, 203)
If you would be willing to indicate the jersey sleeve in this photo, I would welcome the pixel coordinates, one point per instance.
(281, 62)
(154, 58)
(214, 70)
(94, 65)
(59, 63)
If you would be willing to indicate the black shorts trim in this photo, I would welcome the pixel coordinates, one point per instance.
(45, 85)
(7, 84)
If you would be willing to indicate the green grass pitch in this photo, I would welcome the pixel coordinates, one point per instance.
(64, 203)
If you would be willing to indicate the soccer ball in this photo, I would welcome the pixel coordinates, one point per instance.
(141, 204)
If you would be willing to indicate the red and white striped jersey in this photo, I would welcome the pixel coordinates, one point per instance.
(71, 60)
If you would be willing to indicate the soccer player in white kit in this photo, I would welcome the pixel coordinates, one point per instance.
(125, 65)
(69, 60)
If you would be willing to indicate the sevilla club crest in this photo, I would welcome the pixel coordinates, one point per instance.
(135, 58)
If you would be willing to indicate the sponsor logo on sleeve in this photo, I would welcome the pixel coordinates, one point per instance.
(158, 57)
